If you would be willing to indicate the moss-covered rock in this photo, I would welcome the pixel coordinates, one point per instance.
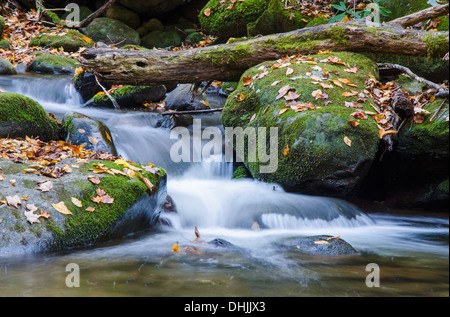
(129, 97)
(110, 31)
(161, 39)
(224, 22)
(53, 64)
(95, 135)
(69, 40)
(5, 44)
(313, 156)
(2, 25)
(124, 15)
(21, 116)
(134, 208)
(6, 68)
(277, 19)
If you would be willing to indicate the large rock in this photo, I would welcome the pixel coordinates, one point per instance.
(314, 153)
(21, 116)
(124, 15)
(6, 68)
(79, 129)
(69, 40)
(110, 31)
(224, 23)
(161, 39)
(53, 64)
(134, 207)
(179, 99)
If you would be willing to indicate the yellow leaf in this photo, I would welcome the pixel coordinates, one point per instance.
(286, 150)
(79, 70)
(76, 202)
(347, 141)
(345, 19)
(383, 132)
(283, 111)
(61, 207)
(121, 162)
(321, 242)
(175, 248)
(146, 181)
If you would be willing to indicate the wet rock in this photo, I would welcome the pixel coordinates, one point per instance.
(221, 243)
(79, 129)
(320, 245)
(180, 99)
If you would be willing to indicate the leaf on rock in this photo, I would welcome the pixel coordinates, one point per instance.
(106, 199)
(247, 81)
(62, 208)
(207, 12)
(31, 217)
(292, 95)
(76, 202)
(289, 71)
(286, 150)
(282, 91)
(146, 181)
(175, 248)
(14, 201)
(321, 242)
(347, 141)
(90, 209)
(94, 179)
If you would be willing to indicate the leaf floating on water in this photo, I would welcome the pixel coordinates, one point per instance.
(62, 208)
(175, 248)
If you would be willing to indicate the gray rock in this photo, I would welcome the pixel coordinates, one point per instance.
(79, 128)
(320, 245)
(110, 31)
(6, 68)
(179, 99)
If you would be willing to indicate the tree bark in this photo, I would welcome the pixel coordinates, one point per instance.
(430, 13)
(227, 62)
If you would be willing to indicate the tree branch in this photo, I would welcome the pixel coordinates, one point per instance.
(430, 13)
(96, 14)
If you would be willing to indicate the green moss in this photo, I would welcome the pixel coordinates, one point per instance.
(313, 136)
(69, 40)
(241, 172)
(53, 64)
(134, 47)
(437, 45)
(337, 35)
(85, 227)
(19, 227)
(18, 109)
(225, 23)
(5, 44)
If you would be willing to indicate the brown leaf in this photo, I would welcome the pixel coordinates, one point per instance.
(292, 95)
(207, 12)
(14, 201)
(106, 199)
(282, 91)
(247, 81)
(347, 141)
(146, 181)
(100, 192)
(94, 179)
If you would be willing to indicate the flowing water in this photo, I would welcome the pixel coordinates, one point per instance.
(410, 250)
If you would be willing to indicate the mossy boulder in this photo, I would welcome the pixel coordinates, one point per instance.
(313, 156)
(69, 40)
(193, 38)
(21, 116)
(2, 25)
(6, 68)
(129, 97)
(277, 19)
(5, 44)
(134, 208)
(224, 22)
(161, 39)
(53, 64)
(84, 13)
(95, 135)
(124, 15)
(110, 31)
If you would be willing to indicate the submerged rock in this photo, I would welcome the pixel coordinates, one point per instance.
(134, 207)
(21, 116)
(320, 245)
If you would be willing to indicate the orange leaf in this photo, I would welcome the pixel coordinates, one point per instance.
(286, 150)
(207, 12)
(247, 81)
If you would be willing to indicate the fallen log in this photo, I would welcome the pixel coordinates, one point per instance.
(227, 62)
(429, 13)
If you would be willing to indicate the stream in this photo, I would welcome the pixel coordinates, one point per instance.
(411, 249)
